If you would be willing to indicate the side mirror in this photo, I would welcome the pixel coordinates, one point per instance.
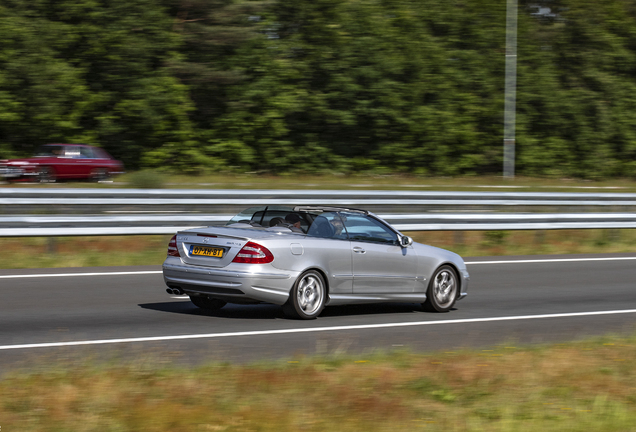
(406, 241)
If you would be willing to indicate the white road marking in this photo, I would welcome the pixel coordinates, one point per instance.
(311, 330)
(556, 260)
(79, 274)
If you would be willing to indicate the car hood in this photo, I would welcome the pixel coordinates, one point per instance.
(442, 254)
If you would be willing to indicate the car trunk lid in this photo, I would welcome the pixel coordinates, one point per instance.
(214, 246)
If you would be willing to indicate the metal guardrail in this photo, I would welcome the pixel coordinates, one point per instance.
(50, 196)
(406, 210)
(95, 201)
(42, 226)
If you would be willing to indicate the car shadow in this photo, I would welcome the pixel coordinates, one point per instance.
(269, 311)
(372, 309)
(234, 311)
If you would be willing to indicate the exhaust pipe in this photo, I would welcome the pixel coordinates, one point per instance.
(175, 291)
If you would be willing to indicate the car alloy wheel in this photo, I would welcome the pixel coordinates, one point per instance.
(46, 175)
(442, 290)
(100, 174)
(307, 297)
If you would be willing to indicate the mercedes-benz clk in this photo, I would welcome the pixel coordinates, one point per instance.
(305, 258)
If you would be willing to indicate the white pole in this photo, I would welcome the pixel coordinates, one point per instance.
(510, 89)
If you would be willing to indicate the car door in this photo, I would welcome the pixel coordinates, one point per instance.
(331, 250)
(80, 160)
(68, 164)
(54, 157)
(380, 264)
(86, 162)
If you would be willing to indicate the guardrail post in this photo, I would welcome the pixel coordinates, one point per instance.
(613, 235)
(51, 245)
(458, 237)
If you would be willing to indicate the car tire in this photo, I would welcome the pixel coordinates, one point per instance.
(443, 289)
(308, 296)
(206, 303)
(100, 174)
(46, 175)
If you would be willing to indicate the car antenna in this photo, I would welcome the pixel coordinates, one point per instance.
(263, 215)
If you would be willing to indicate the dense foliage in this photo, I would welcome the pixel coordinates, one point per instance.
(410, 86)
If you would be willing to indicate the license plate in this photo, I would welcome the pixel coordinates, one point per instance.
(206, 251)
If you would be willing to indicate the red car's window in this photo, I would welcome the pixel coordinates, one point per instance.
(72, 152)
(51, 151)
(86, 152)
(101, 154)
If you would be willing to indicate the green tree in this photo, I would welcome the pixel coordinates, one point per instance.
(213, 35)
(42, 97)
(576, 85)
(350, 85)
(93, 72)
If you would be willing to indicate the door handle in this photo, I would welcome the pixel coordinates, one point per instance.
(359, 250)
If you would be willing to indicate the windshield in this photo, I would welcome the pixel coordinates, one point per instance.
(267, 216)
(316, 222)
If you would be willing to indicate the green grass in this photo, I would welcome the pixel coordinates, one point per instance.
(49, 252)
(579, 386)
(548, 242)
(145, 179)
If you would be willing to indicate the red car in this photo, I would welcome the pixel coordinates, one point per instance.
(62, 162)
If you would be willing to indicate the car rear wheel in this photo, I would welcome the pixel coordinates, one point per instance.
(46, 175)
(207, 303)
(442, 290)
(307, 297)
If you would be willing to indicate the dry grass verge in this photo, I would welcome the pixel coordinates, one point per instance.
(579, 386)
(151, 250)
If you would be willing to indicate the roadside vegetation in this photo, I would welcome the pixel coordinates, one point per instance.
(322, 86)
(49, 252)
(577, 386)
(152, 179)
(44, 252)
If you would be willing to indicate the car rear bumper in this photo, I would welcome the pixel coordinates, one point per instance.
(228, 284)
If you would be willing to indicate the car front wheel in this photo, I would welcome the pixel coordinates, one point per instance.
(442, 290)
(100, 174)
(307, 297)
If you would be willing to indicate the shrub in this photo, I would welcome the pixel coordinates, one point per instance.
(147, 179)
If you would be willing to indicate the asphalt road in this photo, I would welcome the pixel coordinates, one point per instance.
(124, 313)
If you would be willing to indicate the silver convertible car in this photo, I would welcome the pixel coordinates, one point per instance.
(308, 257)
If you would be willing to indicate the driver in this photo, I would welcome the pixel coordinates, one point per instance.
(338, 225)
(294, 221)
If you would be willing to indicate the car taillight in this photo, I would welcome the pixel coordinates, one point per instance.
(172, 247)
(253, 253)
